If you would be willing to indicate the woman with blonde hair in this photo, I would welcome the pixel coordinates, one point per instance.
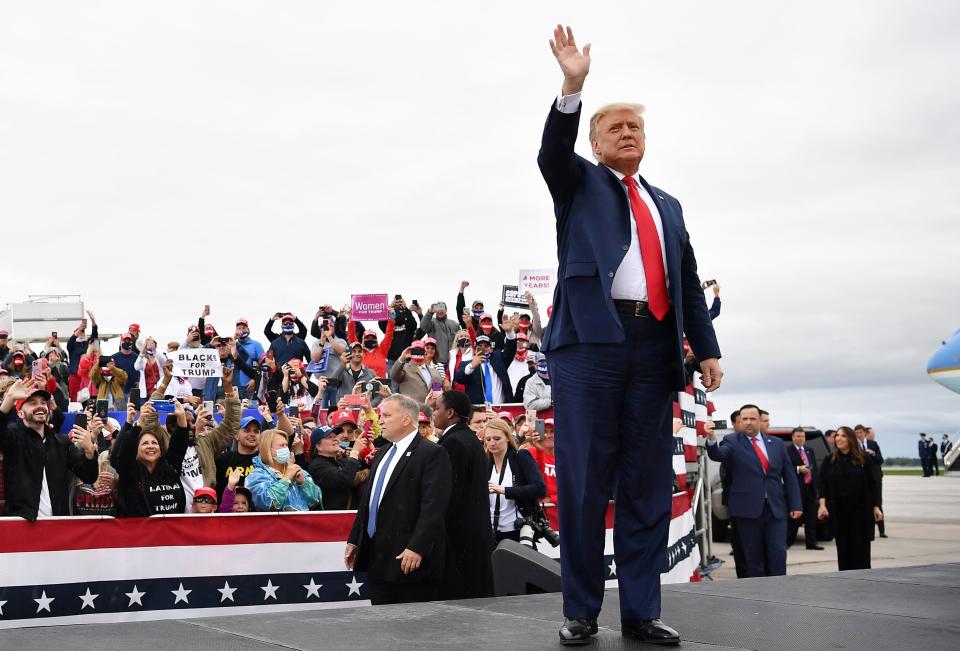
(850, 498)
(277, 483)
(515, 482)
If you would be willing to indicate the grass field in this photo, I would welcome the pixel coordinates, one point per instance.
(913, 472)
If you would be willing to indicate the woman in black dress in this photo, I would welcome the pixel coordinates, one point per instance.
(850, 497)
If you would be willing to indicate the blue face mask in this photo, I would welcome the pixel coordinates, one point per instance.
(282, 455)
(478, 313)
(151, 351)
(244, 335)
(542, 370)
(463, 343)
(287, 330)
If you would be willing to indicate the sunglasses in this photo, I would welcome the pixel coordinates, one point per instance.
(203, 500)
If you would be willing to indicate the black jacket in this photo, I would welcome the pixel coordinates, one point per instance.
(797, 462)
(469, 573)
(26, 455)
(335, 476)
(404, 331)
(135, 483)
(528, 485)
(411, 516)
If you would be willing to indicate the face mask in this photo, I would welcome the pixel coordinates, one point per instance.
(126, 345)
(417, 355)
(151, 351)
(524, 326)
(478, 313)
(105, 372)
(287, 329)
(463, 343)
(345, 445)
(282, 455)
(486, 327)
(370, 344)
(244, 335)
(542, 371)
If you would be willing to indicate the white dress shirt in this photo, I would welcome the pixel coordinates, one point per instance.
(496, 386)
(387, 469)
(630, 281)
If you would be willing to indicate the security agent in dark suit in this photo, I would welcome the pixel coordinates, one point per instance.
(485, 377)
(398, 536)
(871, 451)
(627, 292)
(469, 571)
(763, 492)
(806, 466)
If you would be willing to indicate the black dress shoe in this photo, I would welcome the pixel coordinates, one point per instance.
(817, 547)
(883, 535)
(651, 631)
(576, 632)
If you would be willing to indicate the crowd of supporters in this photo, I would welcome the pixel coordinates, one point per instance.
(291, 424)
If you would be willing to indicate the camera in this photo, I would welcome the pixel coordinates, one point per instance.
(372, 385)
(535, 526)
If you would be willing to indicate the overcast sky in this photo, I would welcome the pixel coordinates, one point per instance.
(265, 156)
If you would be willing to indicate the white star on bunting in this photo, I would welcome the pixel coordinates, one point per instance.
(269, 590)
(87, 600)
(613, 568)
(313, 589)
(181, 595)
(354, 587)
(1, 606)
(226, 592)
(43, 603)
(135, 596)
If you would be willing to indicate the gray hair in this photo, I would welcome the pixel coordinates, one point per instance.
(405, 403)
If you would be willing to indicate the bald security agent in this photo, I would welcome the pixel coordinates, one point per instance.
(627, 293)
(399, 533)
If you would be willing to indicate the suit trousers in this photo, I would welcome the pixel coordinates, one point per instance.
(613, 407)
(809, 499)
(764, 538)
(386, 592)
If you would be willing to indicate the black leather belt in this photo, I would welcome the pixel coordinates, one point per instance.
(632, 308)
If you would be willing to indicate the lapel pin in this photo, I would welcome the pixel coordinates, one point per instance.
(408, 454)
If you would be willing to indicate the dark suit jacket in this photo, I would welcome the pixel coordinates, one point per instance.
(528, 485)
(750, 486)
(500, 359)
(795, 459)
(411, 516)
(593, 234)
(878, 456)
(469, 572)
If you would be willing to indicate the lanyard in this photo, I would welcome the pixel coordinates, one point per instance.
(496, 508)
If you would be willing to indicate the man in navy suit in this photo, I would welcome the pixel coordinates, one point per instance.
(485, 377)
(626, 295)
(763, 492)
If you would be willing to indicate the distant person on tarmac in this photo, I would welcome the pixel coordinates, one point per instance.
(945, 446)
(923, 451)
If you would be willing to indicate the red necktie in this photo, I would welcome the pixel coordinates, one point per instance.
(807, 479)
(763, 458)
(657, 299)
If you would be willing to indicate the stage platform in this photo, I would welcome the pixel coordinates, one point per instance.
(900, 608)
